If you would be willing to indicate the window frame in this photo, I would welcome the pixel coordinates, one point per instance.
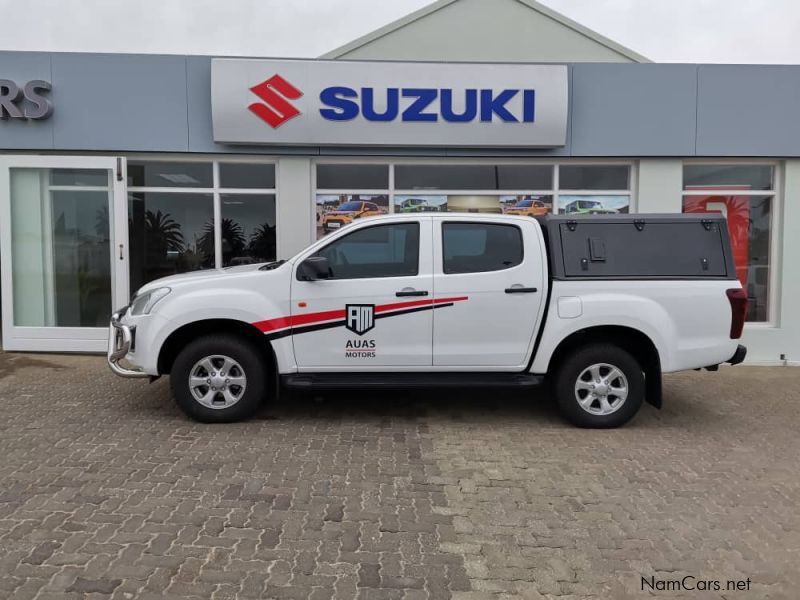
(359, 230)
(446, 222)
(216, 190)
(775, 224)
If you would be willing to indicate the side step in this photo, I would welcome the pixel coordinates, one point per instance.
(386, 381)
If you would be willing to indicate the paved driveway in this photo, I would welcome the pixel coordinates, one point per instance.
(106, 490)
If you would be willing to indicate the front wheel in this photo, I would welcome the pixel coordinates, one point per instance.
(219, 379)
(600, 385)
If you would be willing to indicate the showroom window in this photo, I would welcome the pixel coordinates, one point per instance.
(745, 194)
(190, 215)
(349, 191)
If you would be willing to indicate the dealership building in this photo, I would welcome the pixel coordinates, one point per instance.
(117, 169)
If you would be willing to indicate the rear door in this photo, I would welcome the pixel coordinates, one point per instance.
(375, 311)
(493, 272)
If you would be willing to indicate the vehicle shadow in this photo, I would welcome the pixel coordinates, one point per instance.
(533, 406)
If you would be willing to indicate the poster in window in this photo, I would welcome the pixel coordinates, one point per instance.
(334, 211)
(593, 204)
(736, 209)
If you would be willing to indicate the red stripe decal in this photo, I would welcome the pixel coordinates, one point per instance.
(330, 315)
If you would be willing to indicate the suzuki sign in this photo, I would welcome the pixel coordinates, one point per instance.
(388, 103)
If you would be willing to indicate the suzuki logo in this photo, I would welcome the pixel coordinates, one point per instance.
(359, 318)
(276, 109)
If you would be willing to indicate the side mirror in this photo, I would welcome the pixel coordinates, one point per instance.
(314, 268)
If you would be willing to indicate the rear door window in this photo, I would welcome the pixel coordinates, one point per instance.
(480, 247)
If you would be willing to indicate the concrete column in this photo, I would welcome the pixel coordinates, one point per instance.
(659, 185)
(295, 210)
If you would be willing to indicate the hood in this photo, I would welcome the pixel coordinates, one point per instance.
(342, 212)
(196, 276)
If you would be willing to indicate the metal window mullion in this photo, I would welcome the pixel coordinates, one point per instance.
(244, 191)
(171, 190)
(556, 190)
(443, 192)
(726, 192)
(391, 187)
(217, 218)
(342, 192)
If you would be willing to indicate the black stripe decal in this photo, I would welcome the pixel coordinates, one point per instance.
(332, 324)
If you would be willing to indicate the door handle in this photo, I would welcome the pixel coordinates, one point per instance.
(521, 290)
(403, 293)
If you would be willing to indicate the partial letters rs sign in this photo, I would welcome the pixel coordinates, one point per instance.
(388, 103)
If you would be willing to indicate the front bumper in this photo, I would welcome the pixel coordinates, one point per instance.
(120, 339)
(738, 356)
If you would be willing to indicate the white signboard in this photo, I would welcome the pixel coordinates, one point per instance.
(315, 102)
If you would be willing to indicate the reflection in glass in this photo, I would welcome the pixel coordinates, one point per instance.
(170, 174)
(79, 177)
(165, 233)
(749, 220)
(334, 211)
(745, 177)
(247, 175)
(354, 177)
(593, 204)
(473, 177)
(60, 250)
(600, 177)
(248, 229)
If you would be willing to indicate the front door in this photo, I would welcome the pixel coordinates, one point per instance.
(63, 249)
(375, 311)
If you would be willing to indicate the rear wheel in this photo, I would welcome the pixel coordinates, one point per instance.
(219, 379)
(600, 385)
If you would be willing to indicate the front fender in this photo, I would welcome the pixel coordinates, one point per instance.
(236, 304)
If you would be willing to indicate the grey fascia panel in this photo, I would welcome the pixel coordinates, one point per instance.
(120, 102)
(748, 110)
(633, 109)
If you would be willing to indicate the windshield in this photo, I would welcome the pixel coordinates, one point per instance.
(588, 204)
(350, 206)
(523, 204)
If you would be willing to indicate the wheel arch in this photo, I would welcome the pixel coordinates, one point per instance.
(179, 338)
(629, 339)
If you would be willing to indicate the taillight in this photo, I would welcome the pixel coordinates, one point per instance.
(738, 299)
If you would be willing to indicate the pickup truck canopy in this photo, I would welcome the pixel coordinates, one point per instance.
(651, 246)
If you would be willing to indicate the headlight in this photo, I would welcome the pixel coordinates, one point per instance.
(142, 305)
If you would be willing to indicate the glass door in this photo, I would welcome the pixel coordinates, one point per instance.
(63, 249)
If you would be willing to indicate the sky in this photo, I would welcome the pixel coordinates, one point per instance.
(712, 31)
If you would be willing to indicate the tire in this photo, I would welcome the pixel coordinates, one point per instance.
(224, 397)
(605, 405)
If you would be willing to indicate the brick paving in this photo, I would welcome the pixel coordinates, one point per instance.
(107, 491)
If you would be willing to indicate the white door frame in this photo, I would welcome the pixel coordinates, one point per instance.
(64, 339)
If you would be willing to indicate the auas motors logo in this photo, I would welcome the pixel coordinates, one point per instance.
(413, 105)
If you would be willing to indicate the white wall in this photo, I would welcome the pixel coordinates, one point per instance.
(295, 214)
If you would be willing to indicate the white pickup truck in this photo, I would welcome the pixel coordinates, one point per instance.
(599, 306)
